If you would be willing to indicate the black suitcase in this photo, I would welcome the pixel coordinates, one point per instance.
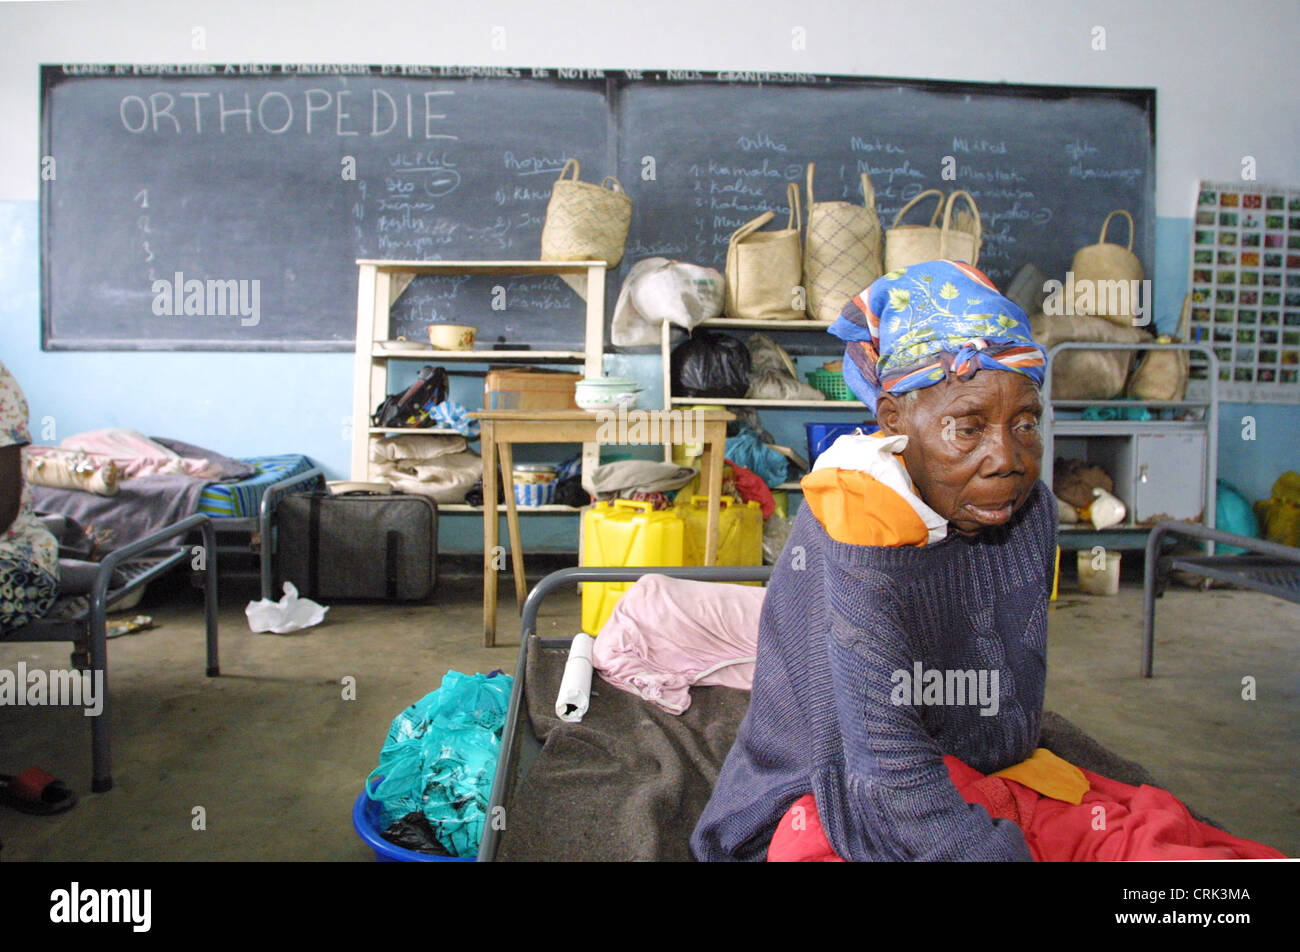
(358, 545)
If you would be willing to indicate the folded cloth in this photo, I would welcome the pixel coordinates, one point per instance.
(414, 446)
(629, 475)
(666, 635)
(1136, 823)
(137, 455)
(228, 469)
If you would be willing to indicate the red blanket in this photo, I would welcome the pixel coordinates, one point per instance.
(1114, 822)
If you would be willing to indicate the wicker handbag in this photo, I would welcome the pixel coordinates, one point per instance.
(1107, 262)
(842, 253)
(585, 222)
(764, 268)
(912, 244)
(957, 240)
(961, 233)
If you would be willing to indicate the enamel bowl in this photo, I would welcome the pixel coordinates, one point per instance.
(606, 393)
(452, 336)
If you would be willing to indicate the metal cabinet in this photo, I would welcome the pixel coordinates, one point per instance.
(1164, 468)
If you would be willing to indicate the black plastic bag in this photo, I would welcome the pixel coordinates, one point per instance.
(710, 365)
(413, 832)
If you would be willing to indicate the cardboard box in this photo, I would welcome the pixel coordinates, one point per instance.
(529, 389)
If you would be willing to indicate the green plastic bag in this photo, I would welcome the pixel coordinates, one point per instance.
(441, 757)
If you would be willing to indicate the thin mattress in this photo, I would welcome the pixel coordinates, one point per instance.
(242, 499)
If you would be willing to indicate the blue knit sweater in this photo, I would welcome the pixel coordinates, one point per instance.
(839, 625)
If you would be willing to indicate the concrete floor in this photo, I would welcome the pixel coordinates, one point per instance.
(275, 756)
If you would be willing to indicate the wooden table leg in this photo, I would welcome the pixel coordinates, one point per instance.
(512, 521)
(714, 454)
(490, 531)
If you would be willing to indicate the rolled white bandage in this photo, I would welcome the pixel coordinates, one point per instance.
(575, 686)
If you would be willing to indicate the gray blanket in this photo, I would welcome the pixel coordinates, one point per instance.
(142, 505)
(630, 780)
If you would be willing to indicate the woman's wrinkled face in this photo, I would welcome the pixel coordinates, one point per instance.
(974, 449)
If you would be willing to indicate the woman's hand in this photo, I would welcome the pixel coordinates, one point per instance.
(11, 485)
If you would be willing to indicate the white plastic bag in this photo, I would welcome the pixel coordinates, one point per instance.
(658, 290)
(290, 613)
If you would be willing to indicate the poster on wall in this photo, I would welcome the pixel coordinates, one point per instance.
(1245, 285)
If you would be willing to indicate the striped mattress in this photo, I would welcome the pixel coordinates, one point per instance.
(243, 499)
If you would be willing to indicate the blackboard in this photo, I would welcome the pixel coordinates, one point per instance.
(223, 207)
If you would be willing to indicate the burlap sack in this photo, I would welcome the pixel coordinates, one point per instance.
(1162, 374)
(765, 268)
(1087, 375)
(1103, 263)
(842, 250)
(585, 222)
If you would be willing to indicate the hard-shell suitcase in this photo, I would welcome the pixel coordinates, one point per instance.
(358, 545)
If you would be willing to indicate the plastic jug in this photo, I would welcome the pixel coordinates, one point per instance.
(740, 531)
(625, 533)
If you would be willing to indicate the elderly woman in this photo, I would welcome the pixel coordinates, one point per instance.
(29, 555)
(902, 643)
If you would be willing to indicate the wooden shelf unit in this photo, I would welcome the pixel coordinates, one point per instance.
(724, 323)
(380, 284)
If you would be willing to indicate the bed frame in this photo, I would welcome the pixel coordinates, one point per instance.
(262, 524)
(90, 627)
(519, 748)
(1265, 567)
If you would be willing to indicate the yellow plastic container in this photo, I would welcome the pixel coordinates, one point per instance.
(624, 534)
(740, 531)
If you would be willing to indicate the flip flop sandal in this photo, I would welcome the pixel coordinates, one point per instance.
(36, 792)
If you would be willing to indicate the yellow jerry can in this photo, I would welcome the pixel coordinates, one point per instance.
(740, 531)
(625, 534)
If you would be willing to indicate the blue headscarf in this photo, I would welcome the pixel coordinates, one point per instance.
(917, 325)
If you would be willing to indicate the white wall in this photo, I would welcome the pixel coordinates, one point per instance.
(1226, 73)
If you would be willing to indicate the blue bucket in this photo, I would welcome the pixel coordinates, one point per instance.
(366, 819)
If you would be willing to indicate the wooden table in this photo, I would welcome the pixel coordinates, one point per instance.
(503, 428)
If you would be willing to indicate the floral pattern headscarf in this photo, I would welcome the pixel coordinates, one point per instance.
(918, 325)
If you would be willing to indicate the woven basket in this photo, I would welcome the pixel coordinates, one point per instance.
(585, 222)
(830, 383)
(842, 250)
(911, 244)
(961, 235)
(1106, 262)
(765, 267)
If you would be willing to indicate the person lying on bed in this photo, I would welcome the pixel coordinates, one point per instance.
(29, 555)
(902, 643)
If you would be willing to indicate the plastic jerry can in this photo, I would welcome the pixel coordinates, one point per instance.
(740, 531)
(625, 534)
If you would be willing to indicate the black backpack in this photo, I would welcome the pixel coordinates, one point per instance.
(399, 408)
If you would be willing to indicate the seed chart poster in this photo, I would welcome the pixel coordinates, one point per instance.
(1245, 286)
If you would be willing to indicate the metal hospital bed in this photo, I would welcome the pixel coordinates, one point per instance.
(1265, 567)
(519, 746)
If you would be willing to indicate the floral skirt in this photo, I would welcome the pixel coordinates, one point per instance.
(26, 592)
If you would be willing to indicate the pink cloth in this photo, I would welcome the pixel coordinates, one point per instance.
(137, 455)
(668, 634)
